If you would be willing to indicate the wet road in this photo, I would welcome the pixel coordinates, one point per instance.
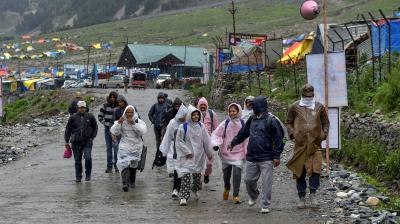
(41, 188)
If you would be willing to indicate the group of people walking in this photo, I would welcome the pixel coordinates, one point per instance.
(188, 138)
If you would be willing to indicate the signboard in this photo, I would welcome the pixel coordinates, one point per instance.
(334, 129)
(1, 97)
(253, 39)
(337, 84)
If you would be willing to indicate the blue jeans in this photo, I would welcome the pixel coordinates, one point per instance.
(84, 150)
(110, 146)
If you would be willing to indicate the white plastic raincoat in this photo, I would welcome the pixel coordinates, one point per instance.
(131, 144)
(196, 141)
(246, 113)
(167, 144)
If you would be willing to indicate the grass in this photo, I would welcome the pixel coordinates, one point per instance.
(40, 103)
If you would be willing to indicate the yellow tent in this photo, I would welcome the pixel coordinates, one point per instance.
(30, 85)
(298, 51)
(56, 39)
(96, 46)
(7, 55)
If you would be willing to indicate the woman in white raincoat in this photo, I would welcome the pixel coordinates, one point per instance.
(168, 145)
(192, 145)
(247, 108)
(130, 128)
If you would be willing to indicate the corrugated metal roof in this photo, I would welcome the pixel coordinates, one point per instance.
(146, 54)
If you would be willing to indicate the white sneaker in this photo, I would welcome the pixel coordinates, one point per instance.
(183, 202)
(196, 196)
(265, 210)
(313, 201)
(252, 202)
(175, 194)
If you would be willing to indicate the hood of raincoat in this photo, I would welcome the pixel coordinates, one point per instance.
(135, 114)
(239, 115)
(112, 93)
(247, 98)
(190, 111)
(181, 112)
(122, 98)
(202, 101)
(177, 101)
(161, 95)
(260, 105)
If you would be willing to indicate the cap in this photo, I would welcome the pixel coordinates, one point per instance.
(81, 104)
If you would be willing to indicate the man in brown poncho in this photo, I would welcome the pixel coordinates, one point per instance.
(308, 125)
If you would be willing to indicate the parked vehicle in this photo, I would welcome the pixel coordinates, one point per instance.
(162, 78)
(116, 81)
(139, 80)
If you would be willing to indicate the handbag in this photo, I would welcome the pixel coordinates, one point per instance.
(142, 161)
(67, 152)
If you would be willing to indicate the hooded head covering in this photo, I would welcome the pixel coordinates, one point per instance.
(135, 114)
(201, 102)
(260, 105)
(161, 95)
(112, 93)
(239, 115)
(190, 111)
(177, 101)
(181, 112)
(122, 98)
(251, 98)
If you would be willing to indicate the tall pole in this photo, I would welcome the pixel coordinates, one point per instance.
(325, 9)
(233, 11)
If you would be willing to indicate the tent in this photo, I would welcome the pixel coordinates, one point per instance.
(246, 58)
(31, 85)
(383, 26)
(298, 51)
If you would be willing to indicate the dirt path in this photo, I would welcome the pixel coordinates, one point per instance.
(41, 188)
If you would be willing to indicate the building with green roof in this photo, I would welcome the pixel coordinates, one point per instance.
(181, 61)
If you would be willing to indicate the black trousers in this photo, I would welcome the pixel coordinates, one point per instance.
(177, 182)
(301, 183)
(128, 176)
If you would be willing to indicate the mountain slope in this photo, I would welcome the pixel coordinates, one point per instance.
(49, 15)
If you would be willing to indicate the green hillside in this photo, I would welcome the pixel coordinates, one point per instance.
(254, 16)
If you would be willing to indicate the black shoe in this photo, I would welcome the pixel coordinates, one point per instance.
(125, 188)
(78, 180)
(109, 170)
(116, 170)
(206, 179)
(132, 185)
(87, 178)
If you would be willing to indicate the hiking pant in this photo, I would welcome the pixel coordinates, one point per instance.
(128, 176)
(111, 148)
(84, 150)
(177, 182)
(126, 87)
(255, 170)
(301, 183)
(187, 186)
(237, 178)
(158, 134)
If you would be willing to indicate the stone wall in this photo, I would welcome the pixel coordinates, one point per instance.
(373, 126)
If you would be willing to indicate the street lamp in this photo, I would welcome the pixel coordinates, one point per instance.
(205, 67)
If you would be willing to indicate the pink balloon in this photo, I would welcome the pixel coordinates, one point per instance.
(309, 9)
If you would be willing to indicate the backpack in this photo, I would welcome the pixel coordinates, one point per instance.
(282, 129)
(185, 128)
(226, 125)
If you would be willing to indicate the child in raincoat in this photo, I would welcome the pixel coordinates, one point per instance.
(232, 160)
(130, 129)
(167, 147)
(192, 145)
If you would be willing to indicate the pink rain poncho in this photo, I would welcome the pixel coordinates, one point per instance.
(237, 156)
(167, 144)
(195, 141)
(131, 144)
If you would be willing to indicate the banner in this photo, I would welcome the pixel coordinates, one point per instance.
(337, 84)
(334, 129)
(253, 39)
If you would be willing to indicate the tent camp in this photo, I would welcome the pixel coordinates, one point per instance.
(245, 58)
(298, 51)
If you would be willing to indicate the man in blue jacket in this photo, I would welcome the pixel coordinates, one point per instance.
(263, 151)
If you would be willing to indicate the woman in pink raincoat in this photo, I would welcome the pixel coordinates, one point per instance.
(210, 121)
(232, 161)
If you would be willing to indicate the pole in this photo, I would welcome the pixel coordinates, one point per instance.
(325, 9)
(372, 48)
(233, 11)
(87, 66)
(390, 40)
(1, 97)
(379, 46)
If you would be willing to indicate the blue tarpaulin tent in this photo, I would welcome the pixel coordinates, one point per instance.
(384, 36)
